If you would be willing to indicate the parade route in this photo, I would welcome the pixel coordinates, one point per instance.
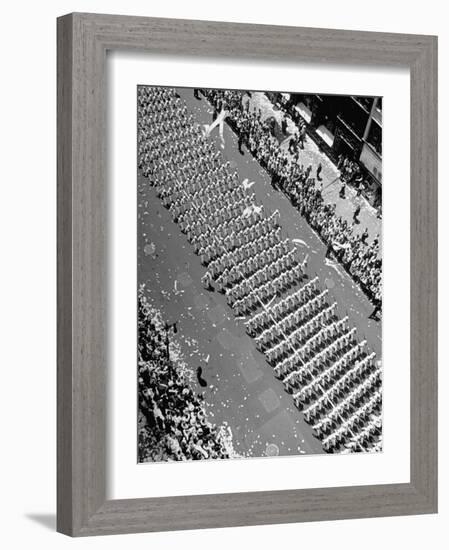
(241, 387)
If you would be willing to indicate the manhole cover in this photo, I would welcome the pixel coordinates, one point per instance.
(149, 249)
(272, 450)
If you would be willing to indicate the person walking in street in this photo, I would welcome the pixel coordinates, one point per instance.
(355, 217)
(199, 375)
(318, 171)
(364, 236)
(206, 279)
(284, 126)
(377, 309)
(359, 184)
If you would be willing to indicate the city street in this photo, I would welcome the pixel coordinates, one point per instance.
(242, 389)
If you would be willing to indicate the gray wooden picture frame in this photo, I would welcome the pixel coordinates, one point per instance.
(83, 40)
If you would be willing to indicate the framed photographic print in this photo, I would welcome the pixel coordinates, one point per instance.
(247, 284)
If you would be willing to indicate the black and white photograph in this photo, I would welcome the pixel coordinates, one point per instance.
(259, 276)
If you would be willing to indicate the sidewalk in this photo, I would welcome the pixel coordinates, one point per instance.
(331, 182)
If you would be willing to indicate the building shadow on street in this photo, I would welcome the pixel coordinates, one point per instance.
(46, 520)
